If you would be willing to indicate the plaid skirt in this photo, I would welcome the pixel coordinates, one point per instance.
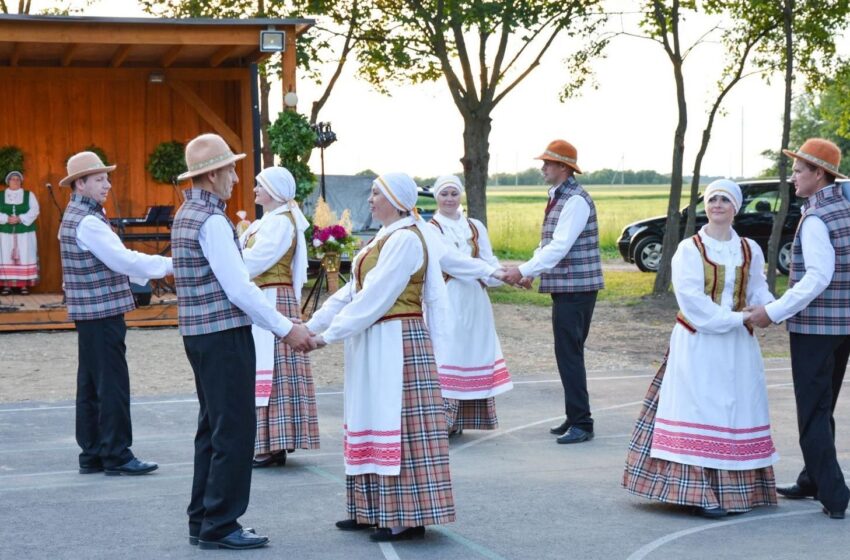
(290, 420)
(689, 485)
(421, 494)
(477, 414)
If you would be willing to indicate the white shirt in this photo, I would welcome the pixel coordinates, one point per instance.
(819, 256)
(216, 239)
(96, 236)
(17, 197)
(269, 247)
(571, 223)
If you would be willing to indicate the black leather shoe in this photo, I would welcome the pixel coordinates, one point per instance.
(834, 514)
(278, 458)
(575, 435)
(353, 525)
(240, 539)
(712, 513)
(131, 468)
(91, 469)
(795, 492)
(193, 539)
(560, 429)
(385, 534)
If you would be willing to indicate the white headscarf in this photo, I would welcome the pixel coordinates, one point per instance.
(280, 184)
(445, 181)
(727, 188)
(401, 191)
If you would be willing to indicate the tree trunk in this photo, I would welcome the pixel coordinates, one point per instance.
(476, 161)
(265, 119)
(671, 234)
(775, 241)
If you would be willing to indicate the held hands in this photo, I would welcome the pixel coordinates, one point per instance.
(757, 316)
(13, 219)
(300, 338)
(511, 275)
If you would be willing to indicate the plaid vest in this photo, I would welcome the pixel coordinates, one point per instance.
(829, 313)
(92, 289)
(581, 268)
(202, 305)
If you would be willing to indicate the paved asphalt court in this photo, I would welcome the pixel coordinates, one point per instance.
(518, 494)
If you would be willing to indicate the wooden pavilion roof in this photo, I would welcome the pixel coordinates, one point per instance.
(95, 42)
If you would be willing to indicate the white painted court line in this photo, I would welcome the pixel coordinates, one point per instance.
(649, 548)
(388, 551)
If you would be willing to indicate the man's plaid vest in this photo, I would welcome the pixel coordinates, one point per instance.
(581, 269)
(829, 313)
(92, 289)
(202, 305)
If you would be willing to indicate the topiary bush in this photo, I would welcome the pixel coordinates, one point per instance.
(166, 162)
(292, 139)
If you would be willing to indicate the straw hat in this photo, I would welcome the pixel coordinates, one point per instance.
(561, 151)
(206, 153)
(820, 153)
(82, 164)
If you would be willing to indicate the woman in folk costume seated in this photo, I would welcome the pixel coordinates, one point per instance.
(18, 243)
(703, 435)
(474, 370)
(275, 254)
(396, 450)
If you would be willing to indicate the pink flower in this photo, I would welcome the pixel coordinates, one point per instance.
(338, 232)
(322, 234)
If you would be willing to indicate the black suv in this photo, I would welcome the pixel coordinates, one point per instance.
(640, 242)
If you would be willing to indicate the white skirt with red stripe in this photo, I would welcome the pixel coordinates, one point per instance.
(713, 408)
(473, 366)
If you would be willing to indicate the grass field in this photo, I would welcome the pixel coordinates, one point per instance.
(514, 214)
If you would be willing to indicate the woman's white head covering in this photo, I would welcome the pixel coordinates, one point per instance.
(727, 188)
(280, 184)
(446, 181)
(402, 192)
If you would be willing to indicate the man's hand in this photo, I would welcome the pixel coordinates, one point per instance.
(758, 316)
(320, 342)
(299, 339)
(511, 274)
(525, 283)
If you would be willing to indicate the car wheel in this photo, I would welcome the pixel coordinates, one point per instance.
(783, 261)
(648, 254)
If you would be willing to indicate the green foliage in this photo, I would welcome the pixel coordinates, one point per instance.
(292, 139)
(166, 162)
(11, 159)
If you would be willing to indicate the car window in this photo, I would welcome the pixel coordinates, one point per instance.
(760, 199)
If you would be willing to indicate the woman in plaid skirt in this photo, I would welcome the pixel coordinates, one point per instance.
(275, 255)
(395, 446)
(703, 436)
(474, 371)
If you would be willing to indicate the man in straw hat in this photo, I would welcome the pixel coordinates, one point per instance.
(216, 305)
(570, 269)
(95, 270)
(816, 309)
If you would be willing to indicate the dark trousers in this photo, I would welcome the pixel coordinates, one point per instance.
(104, 430)
(818, 363)
(224, 365)
(571, 316)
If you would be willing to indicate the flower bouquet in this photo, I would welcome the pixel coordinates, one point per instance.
(329, 235)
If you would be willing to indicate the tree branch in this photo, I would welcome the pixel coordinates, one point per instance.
(699, 41)
(532, 66)
(463, 55)
(346, 49)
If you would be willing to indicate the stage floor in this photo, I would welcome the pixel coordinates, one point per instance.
(40, 312)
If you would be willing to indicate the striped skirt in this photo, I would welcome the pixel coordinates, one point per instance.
(689, 485)
(421, 494)
(477, 414)
(290, 420)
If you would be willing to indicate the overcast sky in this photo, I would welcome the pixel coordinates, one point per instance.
(627, 122)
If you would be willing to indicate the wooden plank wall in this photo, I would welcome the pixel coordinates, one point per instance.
(52, 113)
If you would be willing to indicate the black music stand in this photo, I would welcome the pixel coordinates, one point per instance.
(320, 285)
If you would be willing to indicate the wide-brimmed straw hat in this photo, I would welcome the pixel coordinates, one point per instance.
(820, 153)
(206, 153)
(82, 164)
(561, 151)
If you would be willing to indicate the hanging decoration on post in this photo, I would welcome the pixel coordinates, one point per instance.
(331, 239)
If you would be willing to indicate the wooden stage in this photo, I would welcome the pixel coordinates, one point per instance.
(43, 312)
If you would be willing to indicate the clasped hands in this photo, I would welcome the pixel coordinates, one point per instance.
(755, 315)
(511, 275)
(302, 339)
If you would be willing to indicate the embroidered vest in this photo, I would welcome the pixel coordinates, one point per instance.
(581, 268)
(17, 210)
(715, 279)
(409, 302)
(202, 304)
(280, 273)
(829, 312)
(473, 242)
(92, 289)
